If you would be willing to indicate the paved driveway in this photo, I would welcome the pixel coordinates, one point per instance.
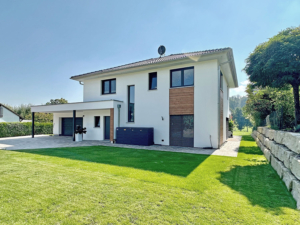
(230, 148)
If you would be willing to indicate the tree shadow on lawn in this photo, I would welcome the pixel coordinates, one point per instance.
(179, 164)
(260, 184)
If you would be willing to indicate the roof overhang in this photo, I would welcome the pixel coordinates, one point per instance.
(227, 67)
(78, 106)
(222, 56)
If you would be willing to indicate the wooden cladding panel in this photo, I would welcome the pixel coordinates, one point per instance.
(111, 125)
(181, 101)
(221, 118)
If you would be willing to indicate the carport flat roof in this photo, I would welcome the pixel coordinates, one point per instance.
(91, 105)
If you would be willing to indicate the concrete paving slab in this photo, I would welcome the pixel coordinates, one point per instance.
(229, 148)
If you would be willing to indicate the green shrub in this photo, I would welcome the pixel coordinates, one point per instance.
(22, 129)
(231, 125)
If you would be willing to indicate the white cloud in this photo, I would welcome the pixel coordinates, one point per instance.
(241, 89)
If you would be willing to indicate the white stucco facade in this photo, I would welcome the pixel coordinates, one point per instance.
(8, 116)
(152, 106)
(93, 133)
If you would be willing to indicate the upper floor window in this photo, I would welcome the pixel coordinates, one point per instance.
(182, 77)
(1, 111)
(153, 81)
(109, 86)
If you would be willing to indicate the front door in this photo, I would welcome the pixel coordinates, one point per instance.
(182, 130)
(107, 127)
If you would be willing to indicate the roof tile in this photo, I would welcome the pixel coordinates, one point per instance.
(154, 60)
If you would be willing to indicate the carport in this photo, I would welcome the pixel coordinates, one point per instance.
(113, 107)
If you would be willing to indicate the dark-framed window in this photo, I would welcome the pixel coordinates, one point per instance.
(1, 111)
(153, 81)
(182, 77)
(221, 80)
(131, 101)
(97, 121)
(109, 86)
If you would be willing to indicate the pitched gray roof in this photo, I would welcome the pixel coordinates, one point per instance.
(155, 60)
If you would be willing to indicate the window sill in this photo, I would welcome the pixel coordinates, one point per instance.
(182, 86)
(109, 94)
(130, 122)
(96, 127)
(152, 89)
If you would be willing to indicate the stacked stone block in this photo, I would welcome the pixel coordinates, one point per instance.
(282, 150)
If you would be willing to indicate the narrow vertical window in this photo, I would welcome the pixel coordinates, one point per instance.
(152, 81)
(97, 121)
(131, 103)
(221, 80)
(1, 111)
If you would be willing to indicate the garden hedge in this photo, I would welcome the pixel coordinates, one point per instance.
(22, 129)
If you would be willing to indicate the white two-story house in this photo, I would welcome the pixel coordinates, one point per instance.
(184, 97)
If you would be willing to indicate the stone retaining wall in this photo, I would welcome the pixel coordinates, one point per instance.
(282, 150)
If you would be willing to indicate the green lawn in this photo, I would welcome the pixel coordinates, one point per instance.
(104, 185)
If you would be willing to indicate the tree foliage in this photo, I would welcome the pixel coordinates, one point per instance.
(239, 119)
(262, 102)
(57, 101)
(24, 110)
(237, 101)
(276, 63)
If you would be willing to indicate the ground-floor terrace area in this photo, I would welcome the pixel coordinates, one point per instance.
(229, 148)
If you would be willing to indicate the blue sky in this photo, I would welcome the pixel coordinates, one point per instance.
(43, 43)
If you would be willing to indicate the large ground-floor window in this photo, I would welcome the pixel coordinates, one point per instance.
(182, 130)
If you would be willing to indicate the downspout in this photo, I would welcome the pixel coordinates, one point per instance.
(119, 108)
(219, 75)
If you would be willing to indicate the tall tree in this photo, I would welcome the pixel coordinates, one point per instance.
(239, 119)
(237, 101)
(276, 63)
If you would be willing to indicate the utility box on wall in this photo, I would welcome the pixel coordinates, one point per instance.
(135, 135)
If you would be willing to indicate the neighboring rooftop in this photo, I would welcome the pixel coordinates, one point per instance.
(21, 118)
(155, 60)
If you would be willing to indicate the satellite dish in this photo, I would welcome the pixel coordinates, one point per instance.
(161, 50)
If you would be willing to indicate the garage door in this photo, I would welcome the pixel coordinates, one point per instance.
(182, 130)
(67, 125)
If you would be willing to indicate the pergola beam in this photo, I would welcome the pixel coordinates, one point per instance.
(74, 124)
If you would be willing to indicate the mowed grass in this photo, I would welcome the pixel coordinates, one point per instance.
(104, 185)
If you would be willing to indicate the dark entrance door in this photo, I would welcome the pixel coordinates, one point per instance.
(107, 127)
(67, 125)
(182, 130)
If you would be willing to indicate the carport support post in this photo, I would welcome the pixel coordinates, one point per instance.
(74, 124)
(32, 124)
